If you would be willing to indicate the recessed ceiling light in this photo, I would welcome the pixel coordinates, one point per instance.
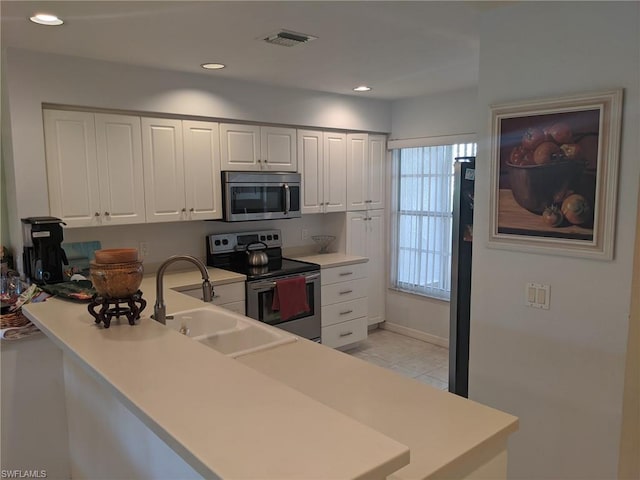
(212, 66)
(362, 88)
(46, 19)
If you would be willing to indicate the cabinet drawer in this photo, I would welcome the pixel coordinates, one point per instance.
(343, 274)
(227, 293)
(343, 292)
(343, 311)
(345, 333)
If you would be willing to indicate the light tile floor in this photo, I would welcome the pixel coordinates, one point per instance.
(408, 356)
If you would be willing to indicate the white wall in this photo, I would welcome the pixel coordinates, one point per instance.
(32, 79)
(451, 113)
(560, 370)
(34, 417)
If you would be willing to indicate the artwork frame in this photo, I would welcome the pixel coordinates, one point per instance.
(559, 198)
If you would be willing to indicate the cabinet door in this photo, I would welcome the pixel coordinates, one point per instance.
(375, 249)
(376, 171)
(202, 170)
(310, 164)
(357, 175)
(357, 224)
(119, 152)
(72, 168)
(239, 147)
(366, 238)
(278, 149)
(335, 182)
(163, 169)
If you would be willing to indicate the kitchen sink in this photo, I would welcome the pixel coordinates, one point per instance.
(227, 332)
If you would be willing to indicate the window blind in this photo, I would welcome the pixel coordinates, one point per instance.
(422, 216)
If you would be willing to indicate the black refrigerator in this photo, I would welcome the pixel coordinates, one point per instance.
(462, 238)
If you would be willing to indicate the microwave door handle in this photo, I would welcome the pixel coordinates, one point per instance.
(287, 198)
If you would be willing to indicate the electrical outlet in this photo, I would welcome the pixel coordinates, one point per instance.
(305, 234)
(143, 250)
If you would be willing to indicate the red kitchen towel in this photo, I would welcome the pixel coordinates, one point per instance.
(290, 297)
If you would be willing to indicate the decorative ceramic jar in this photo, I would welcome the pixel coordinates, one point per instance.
(116, 280)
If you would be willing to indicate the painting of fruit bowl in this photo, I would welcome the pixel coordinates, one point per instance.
(554, 173)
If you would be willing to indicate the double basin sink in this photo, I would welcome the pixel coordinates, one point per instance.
(227, 332)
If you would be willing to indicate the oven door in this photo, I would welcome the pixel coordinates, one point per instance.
(260, 299)
(260, 201)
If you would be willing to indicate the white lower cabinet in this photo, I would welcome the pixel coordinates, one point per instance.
(366, 238)
(344, 305)
(229, 295)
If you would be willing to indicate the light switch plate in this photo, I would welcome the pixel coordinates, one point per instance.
(536, 295)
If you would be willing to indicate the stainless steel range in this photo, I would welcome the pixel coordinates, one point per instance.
(229, 252)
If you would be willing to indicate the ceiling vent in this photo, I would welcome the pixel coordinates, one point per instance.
(287, 38)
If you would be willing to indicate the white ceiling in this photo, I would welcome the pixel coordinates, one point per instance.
(401, 49)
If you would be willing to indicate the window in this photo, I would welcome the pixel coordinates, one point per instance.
(422, 217)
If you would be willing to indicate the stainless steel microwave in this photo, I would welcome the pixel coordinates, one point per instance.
(260, 196)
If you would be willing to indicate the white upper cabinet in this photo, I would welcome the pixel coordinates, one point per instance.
(376, 173)
(335, 180)
(119, 151)
(72, 167)
(256, 148)
(94, 168)
(181, 170)
(163, 169)
(322, 162)
(202, 170)
(240, 147)
(278, 149)
(310, 162)
(357, 175)
(366, 156)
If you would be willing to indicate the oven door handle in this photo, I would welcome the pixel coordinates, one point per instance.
(287, 198)
(268, 284)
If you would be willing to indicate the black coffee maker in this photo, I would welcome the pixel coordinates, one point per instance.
(43, 254)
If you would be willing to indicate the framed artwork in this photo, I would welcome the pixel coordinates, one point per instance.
(554, 167)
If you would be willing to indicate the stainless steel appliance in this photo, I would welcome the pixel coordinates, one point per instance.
(229, 251)
(462, 237)
(260, 196)
(43, 254)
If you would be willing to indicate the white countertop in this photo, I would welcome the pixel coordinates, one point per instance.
(232, 421)
(328, 260)
(354, 418)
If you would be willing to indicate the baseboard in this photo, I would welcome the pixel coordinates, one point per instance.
(417, 334)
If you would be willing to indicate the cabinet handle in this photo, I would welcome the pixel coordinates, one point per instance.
(259, 161)
(344, 274)
(192, 209)
(266, 160)
(368, 201)
(106, 214)
(184, 210)
(344, 292)
(346, 334)
(97, 214)
(346, 312)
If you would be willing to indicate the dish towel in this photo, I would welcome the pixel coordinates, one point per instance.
(290, 297)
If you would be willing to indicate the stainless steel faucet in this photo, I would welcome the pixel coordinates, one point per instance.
(160, 309)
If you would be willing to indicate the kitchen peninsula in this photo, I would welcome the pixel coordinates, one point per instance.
(298, 410)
